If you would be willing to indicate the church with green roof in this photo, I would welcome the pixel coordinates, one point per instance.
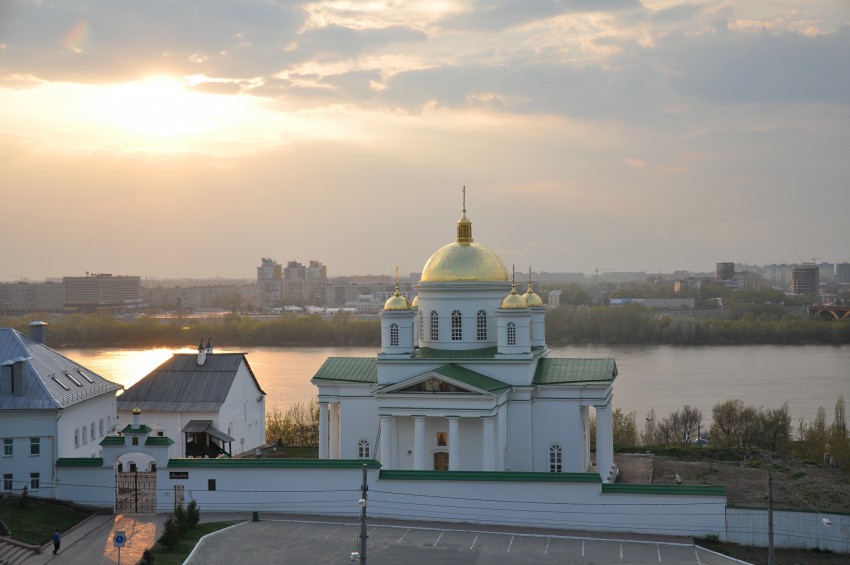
(464, 382)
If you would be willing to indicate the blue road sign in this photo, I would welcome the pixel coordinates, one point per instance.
(119, 538)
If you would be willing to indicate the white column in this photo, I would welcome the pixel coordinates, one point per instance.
(604, 442)
(323, 430)
(454, 443)
(419, 443)
(334, 431)
(386, 449)
(488, 450)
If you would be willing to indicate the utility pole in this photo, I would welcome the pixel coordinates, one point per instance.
(363, 489)
(771, 556)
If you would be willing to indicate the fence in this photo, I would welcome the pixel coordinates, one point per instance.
(790, 529)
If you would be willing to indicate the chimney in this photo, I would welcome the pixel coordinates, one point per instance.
(202, 354)
(38, 331)
(136, 419)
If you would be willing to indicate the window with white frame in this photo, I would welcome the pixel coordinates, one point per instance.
(91, 428)
(511, 333)
(364, 450)
(435, 326)
(481, 325)
(8, 447)
(35, 481)
(76, 438)
(84, 435)
(393, 335)
(556, 458)
(421, 324)
(35, 446)
(7, 481)
(457, 326)
(100, 427)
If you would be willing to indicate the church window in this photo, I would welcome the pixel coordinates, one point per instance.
(91, 428)
(421, 324)
(100, 427)
(435, 326)
(555, 458)
(364, 450)
(393, 335)
(457, 328)
(511, 333)
(77, 438)
(482, 325)
(531, 331)
(85, 435)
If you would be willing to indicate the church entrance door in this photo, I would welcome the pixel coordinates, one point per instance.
(441, 461)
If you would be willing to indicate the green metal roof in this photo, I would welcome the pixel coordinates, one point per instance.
(80, 462)
(271, 463)
(681, 490)
(556, 371)
(472, 378)
(142, 429)
(112, 440)
(159, 440)
(430, 353)
(349, 369)
(491, 476)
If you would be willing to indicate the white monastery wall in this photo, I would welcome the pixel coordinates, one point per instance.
(99, 411)
(242, 414)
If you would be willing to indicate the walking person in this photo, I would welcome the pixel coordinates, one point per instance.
(57, 540)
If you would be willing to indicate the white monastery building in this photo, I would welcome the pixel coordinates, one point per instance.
(50, 408)
(211, 401)
(464, 381)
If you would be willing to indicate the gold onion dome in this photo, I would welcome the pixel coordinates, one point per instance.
(464, 260)
(397, 302)
(531, 298)
(513, 301)
(415, 303)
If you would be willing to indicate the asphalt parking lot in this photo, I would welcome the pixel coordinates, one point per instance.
(293, 542)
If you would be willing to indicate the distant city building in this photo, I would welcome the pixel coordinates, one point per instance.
(842, 273)
(102, 290)
(25, 297)
(554, 298)
(269, 284)
(189, 298)
(827, 273)
(725, 271)
(749, 280)
(805, 278)
(304, 285)
(778, 276)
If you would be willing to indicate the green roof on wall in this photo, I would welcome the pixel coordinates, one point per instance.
(680, 490)
(492, 476)
(271, 463)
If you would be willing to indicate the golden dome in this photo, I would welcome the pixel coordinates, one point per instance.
(531, 298)
(513, 301)
(464, 260)
(415, 303)
(397, 302)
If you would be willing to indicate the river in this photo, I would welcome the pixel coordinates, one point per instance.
(663, 378)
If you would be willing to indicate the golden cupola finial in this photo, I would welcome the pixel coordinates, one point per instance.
(531, 297)
(464, 226)
(396, 301)
(513, 301)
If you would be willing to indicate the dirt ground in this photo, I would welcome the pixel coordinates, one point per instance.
(796, 485)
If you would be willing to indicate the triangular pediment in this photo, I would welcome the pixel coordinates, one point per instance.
(448, 379)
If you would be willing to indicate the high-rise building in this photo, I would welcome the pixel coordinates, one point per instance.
(842, 273)
(725, 271)
(805, 278)
(269, 284)
(102, 290)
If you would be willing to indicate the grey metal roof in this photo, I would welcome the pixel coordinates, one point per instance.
(51, 380)
(206, 426)
(181, 385)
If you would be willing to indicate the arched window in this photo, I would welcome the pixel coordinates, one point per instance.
(393, 335)
(511, 333)
(556, 455)
(85, 435)
(531, 331)
(77, 438)
(364, 450)
(92, 431)
(100, 428)
(457, 328)
(422, 325)
(435, 326)
(481, 325)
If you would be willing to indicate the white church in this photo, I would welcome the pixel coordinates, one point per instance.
(464, 380)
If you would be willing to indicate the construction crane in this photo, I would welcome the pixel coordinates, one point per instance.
(601, 270)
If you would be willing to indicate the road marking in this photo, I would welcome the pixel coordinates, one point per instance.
(658, 548)
(402, 536)
(546, 552)
(439, 538)
(473, 542)
(621, 551)
(297, 530)
(510, 544)
(697, 556)
(582, 548)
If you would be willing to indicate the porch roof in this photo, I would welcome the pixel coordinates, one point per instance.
(205, 426)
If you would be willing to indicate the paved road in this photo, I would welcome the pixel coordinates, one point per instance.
(299, 542)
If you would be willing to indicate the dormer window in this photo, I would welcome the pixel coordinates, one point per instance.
(73, 379)
(60, 383)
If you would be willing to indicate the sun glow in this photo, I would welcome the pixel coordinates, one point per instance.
(162, 107)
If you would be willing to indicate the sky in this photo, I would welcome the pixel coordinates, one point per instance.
(192, 138)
